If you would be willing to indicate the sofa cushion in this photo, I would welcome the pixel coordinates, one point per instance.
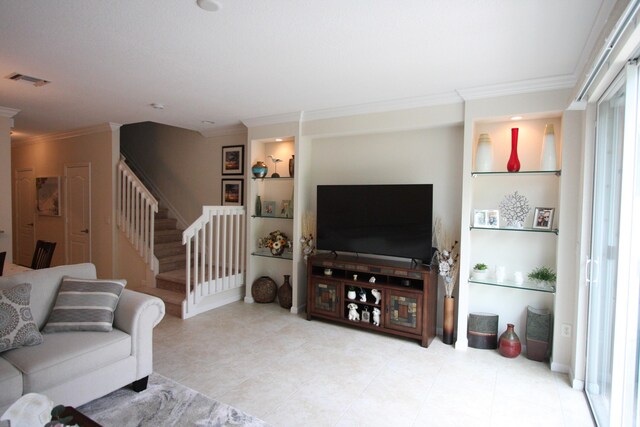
(45, 284)
(85, 305)
(67, 355)
(10, 383)
(17, 327)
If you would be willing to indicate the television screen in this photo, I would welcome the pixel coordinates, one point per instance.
(391, 220)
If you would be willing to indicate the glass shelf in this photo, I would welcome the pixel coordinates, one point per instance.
(268, 178)
(555, 172)
(272, 217)
(525, 229)
(286, 255)
(529, 286)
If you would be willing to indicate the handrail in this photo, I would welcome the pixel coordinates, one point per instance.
(136, 209)
(215, 245)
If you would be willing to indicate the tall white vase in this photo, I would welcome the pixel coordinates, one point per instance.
(484, 154)
(548, 160)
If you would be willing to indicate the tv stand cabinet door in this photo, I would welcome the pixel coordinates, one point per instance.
(403, 311)
(325, 297)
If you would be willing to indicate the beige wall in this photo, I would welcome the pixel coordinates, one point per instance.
(48, 155)
(6, 231)
(184, 165)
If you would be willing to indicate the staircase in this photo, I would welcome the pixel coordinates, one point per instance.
(170, 252)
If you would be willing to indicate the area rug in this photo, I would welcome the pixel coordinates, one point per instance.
(164, 403)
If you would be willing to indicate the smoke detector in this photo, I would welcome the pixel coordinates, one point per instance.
(37, 82)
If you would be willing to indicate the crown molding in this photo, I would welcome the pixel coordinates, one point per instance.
(8, 112)
(577, 106)
(224, 131)
(89, 130)
(384, 106)
(515, 88)
(273, 120)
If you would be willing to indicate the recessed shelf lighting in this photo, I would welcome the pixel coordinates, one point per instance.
(516, 118)
(278, 139)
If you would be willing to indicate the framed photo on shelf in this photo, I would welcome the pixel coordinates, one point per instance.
(486, 218)
(543, 218)
(232, 192)
(284, 208)
(233, 160)
(48, 195)
(268, 208)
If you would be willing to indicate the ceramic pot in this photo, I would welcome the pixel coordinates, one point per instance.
(351, 294)
(264, 290)
(260, 169)
(513, 165)
(292, 165)
(484, 154)
(509, 344)
(548, 161)
(277, 251)
(258, 206)
(285, 293)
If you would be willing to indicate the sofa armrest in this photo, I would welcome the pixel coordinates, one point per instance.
(137, 314)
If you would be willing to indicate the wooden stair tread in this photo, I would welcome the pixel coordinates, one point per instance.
(176, 276)
(165, 295)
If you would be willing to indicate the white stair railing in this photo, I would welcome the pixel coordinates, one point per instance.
(215, 245)
(136, 211)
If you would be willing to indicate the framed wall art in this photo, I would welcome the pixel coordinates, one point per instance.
(543, 218)
(233, 160)
(48, 195)
(232, 192)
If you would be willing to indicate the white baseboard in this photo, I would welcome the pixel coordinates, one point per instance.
(299, 309)
(214, 301)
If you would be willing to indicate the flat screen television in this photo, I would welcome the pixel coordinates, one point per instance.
(391, 220)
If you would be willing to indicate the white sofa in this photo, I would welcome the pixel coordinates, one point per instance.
(73, 368)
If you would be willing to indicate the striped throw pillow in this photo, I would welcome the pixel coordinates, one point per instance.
(85, 305)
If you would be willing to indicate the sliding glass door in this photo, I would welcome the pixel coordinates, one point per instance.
(612, 343)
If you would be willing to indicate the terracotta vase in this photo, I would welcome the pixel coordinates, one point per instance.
(447, 324)
(513, 165)
(509, 344)
(292, 161)
(285, 293)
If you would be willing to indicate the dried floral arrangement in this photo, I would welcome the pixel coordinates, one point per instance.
(308, 228)
(514, 208)
(276, 241)
(447, 256)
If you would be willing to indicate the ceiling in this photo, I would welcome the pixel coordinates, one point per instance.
(107, 61)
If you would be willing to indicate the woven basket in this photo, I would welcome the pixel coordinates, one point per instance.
(264, 290)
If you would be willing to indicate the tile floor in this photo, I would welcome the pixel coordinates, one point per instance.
(292, 372)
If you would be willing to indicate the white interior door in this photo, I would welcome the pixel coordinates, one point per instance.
(78, 197)
(25, 216)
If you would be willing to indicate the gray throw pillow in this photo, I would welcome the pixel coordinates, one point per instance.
(17, 327)
(85, 305)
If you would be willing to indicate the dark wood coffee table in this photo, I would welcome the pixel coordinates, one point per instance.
(78, 417)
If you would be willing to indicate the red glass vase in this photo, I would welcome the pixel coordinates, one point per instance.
(509, 344)
(513, 165)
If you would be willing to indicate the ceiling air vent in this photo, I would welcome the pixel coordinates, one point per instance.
(28, 79)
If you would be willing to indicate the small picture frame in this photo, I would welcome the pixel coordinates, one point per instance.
(48, 195)
(268, 208)
(543, 218)
(486, 218)
(232, 192)
(285, 207)
(233, 160)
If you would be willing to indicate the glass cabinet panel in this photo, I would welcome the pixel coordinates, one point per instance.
(403, 312)
(325, 298)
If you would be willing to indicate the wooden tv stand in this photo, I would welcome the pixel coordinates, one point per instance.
(408, 294)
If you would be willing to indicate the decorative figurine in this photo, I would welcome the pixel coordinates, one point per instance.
(377, 295)
(363, 295)
(353, 312)
(372, 279)
(376, 316)
(328, 272)
(355, 277)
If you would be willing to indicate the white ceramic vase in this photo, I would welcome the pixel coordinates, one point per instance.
(484, 154)
(548, 160)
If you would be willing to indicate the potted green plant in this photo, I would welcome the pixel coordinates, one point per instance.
(480, 271)
(543, 276)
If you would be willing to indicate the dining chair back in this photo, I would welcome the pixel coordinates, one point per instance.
(42, 255)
